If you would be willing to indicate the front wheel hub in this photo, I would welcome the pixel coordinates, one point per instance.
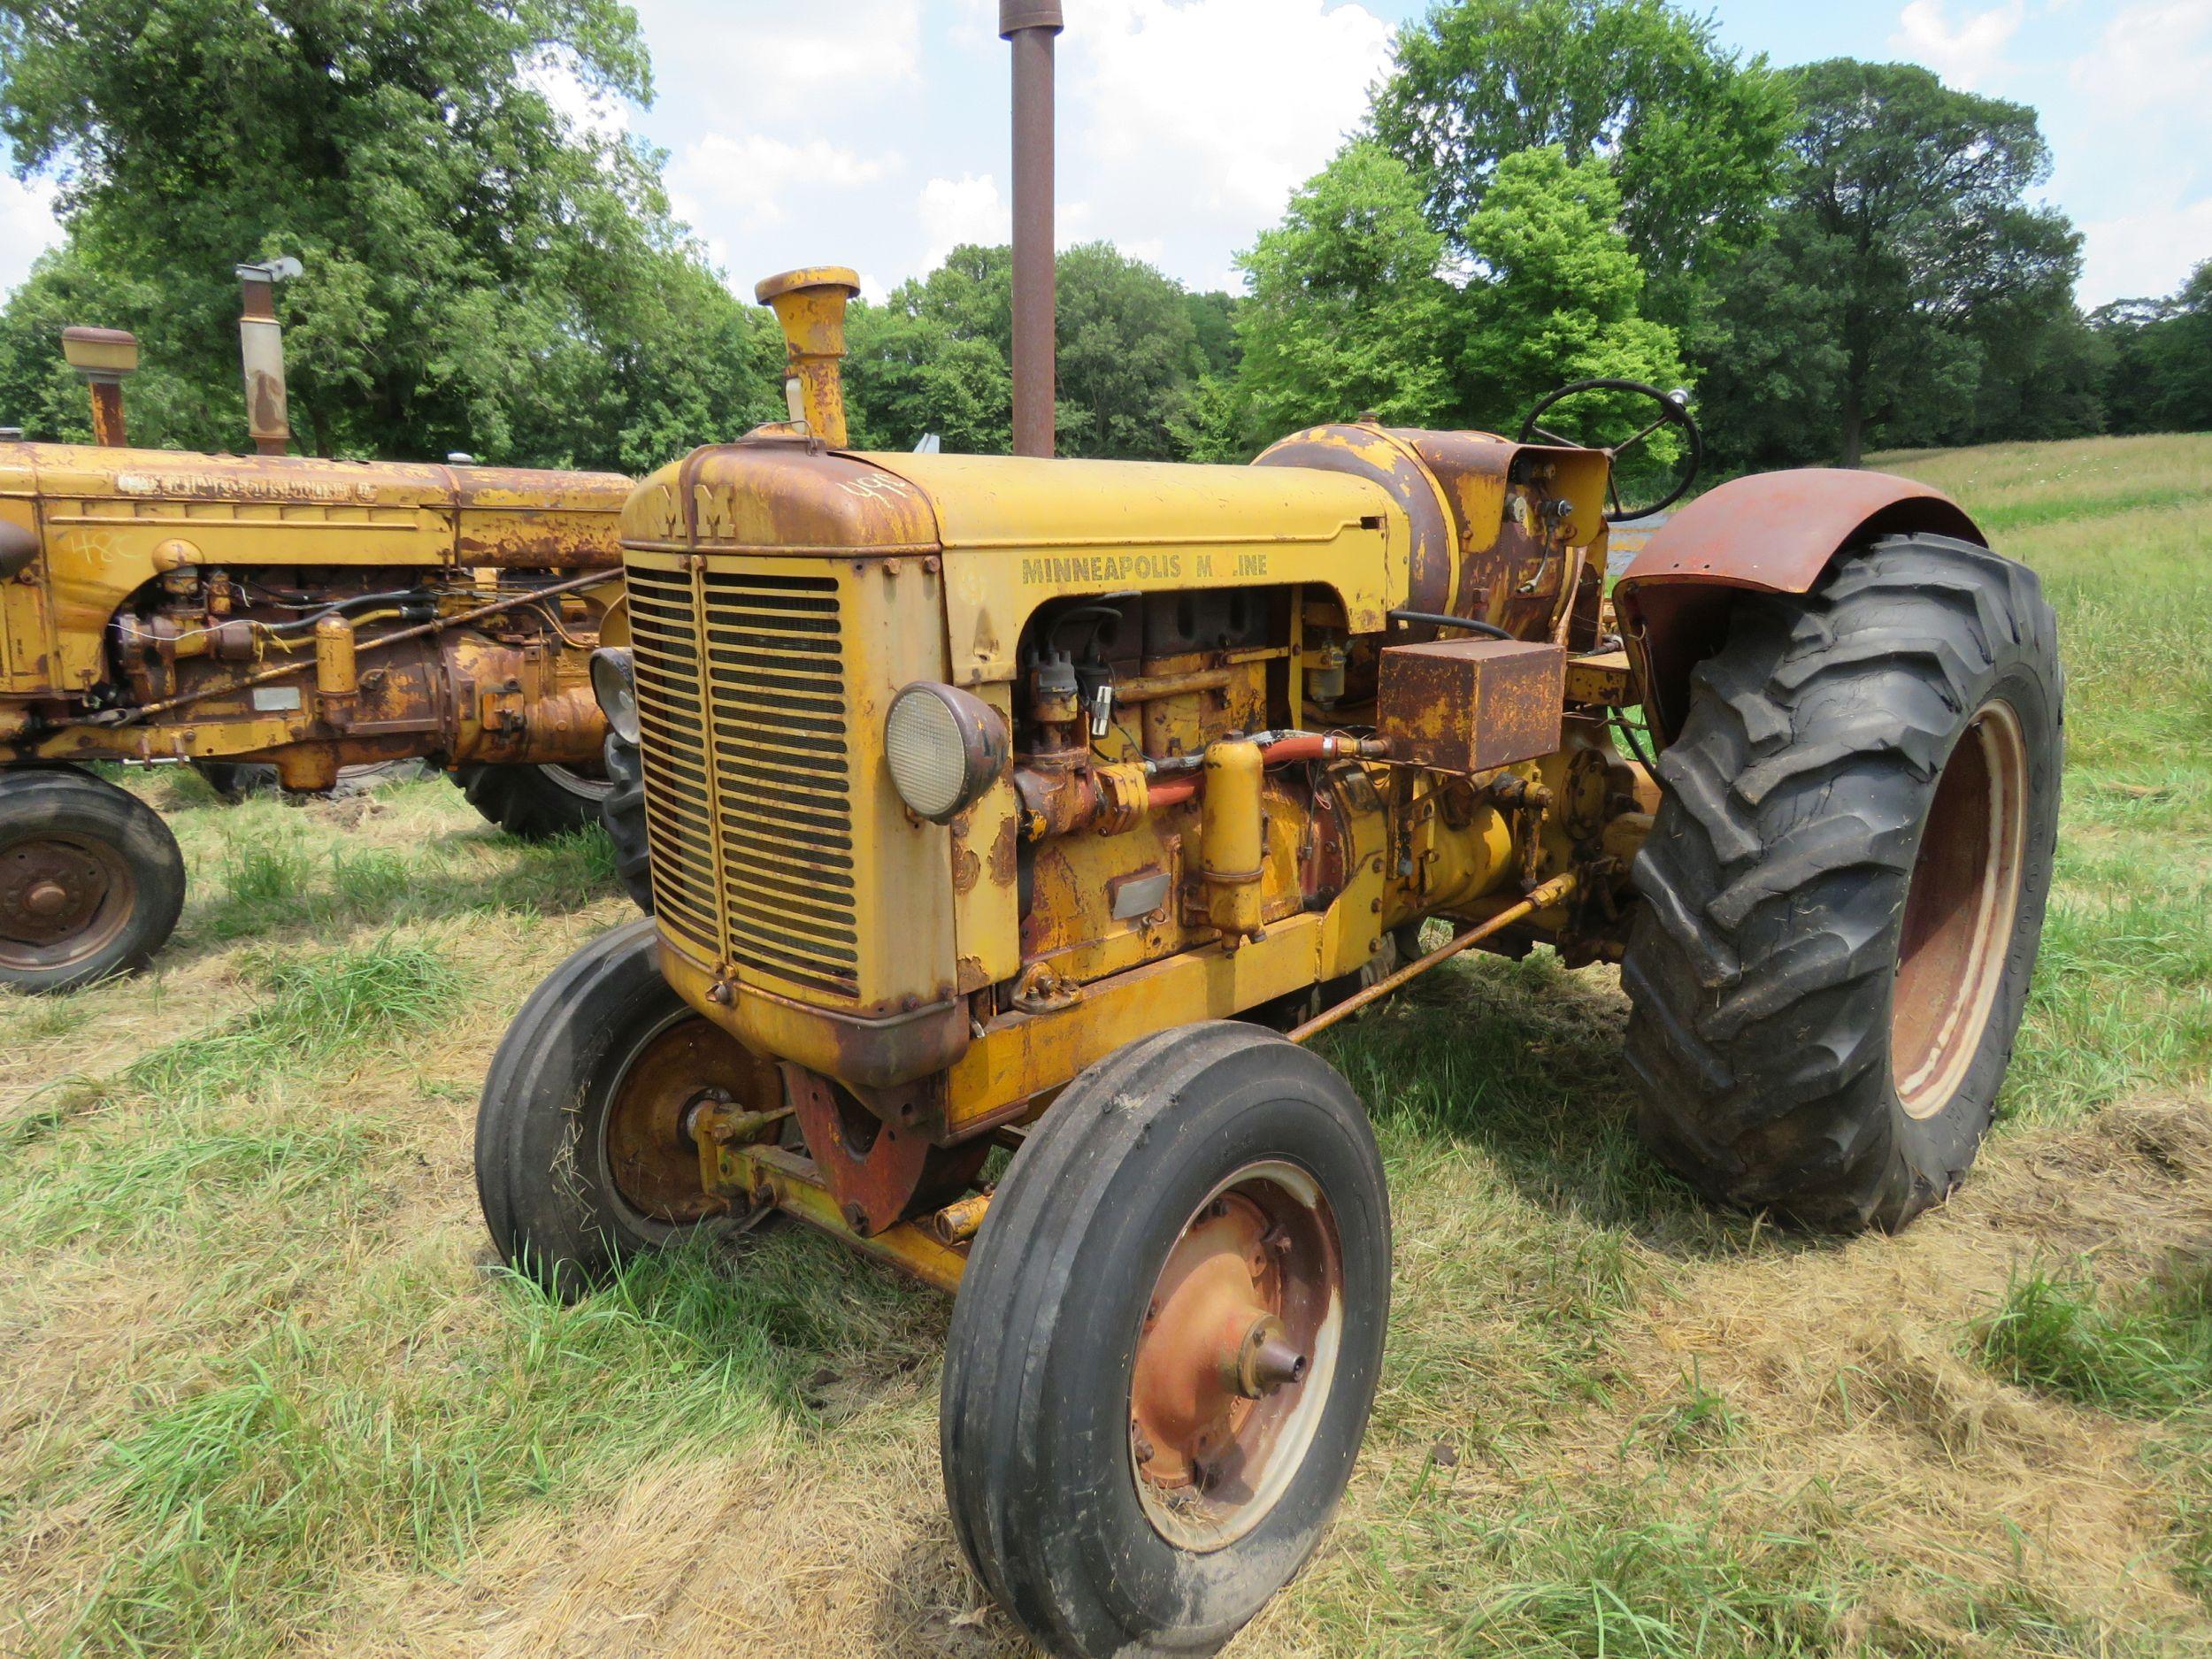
(62, 898)
(1232, 1360)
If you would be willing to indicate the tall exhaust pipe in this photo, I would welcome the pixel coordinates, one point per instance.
(261, 349)
(103, 359)
(1031, 25)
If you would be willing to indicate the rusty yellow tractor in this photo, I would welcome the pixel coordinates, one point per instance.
(1056, 806)
(294, 614)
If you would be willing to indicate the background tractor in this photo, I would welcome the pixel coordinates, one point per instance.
(272, 611)
(1057, 805)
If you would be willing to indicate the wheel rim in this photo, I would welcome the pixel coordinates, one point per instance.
(650, 1160)
(1235, 1355)
(63, 900)
(1959, 910)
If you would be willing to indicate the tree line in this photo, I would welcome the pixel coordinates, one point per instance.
(1837, 257)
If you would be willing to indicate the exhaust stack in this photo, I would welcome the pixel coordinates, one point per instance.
(809, 303)
(103, 359)
(1031, 25)
(261, 348)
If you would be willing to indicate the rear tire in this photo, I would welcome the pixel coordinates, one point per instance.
(622, 812)
(583, 1152)
(1096, 1539)
(91, 882)
(534, 802)
(1844, 887)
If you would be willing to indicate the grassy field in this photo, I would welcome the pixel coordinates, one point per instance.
(261, 1391)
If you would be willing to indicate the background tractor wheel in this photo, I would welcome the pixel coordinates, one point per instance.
(584, 1153)
(235, 781)
(622, 811)
(534, 802)
(91, 882)
(1845, 884)
(1166, 1342)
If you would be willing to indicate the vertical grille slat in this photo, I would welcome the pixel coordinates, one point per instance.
(740, 677)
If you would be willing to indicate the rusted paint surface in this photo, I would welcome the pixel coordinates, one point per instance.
(1604, 681)
(1516, 509)
(809, 306)
(1778, 531)
(788, 1180)
(878, 1172)
(1771, 533)
(1470, 705)
(1383, 457)
(773, 496)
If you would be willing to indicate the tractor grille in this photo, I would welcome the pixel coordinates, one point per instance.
(740, 679)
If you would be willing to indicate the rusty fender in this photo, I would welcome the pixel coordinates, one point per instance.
(1773, 533)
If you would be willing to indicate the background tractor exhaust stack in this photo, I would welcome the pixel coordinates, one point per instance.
(261, 349)
(103, 359)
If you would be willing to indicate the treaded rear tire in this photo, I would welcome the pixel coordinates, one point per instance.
(622, 813)
(533, 802)
(1763, 966)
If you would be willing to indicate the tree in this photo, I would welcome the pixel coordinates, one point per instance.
(1905, 210)
(1347, 313)
(483, 271)
(936, 356)
(1556, 298)
(2160, 375)
(1694, 132)
(1128, 356)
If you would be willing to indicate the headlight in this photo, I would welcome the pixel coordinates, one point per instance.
(944, 746)
(614, 682)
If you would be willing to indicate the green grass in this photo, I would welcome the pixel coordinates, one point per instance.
(261, 1392)
(2149, 1353)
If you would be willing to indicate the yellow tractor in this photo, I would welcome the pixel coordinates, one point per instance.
(300, 614)
(1058, 805)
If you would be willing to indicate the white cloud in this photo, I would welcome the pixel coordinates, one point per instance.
(752, 177)
(2149, 55)
(1967, 54)
(2147, 78)
(966, 208)
(784, 60)
(1224, 106)
(2143, 255)
(28, 228)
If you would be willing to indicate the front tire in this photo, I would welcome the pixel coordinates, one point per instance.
(534, 802)
(1208, 1197)
(91, 882)
(1844, 887)
(584, 1155)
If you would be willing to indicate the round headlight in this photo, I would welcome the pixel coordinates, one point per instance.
(944, 747)
(614, 682)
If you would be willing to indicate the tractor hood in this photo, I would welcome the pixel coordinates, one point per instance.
(1014, 532)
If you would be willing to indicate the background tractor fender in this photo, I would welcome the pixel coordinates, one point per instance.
(1771, 533)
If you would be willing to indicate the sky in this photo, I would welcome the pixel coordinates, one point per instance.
(873, 133)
